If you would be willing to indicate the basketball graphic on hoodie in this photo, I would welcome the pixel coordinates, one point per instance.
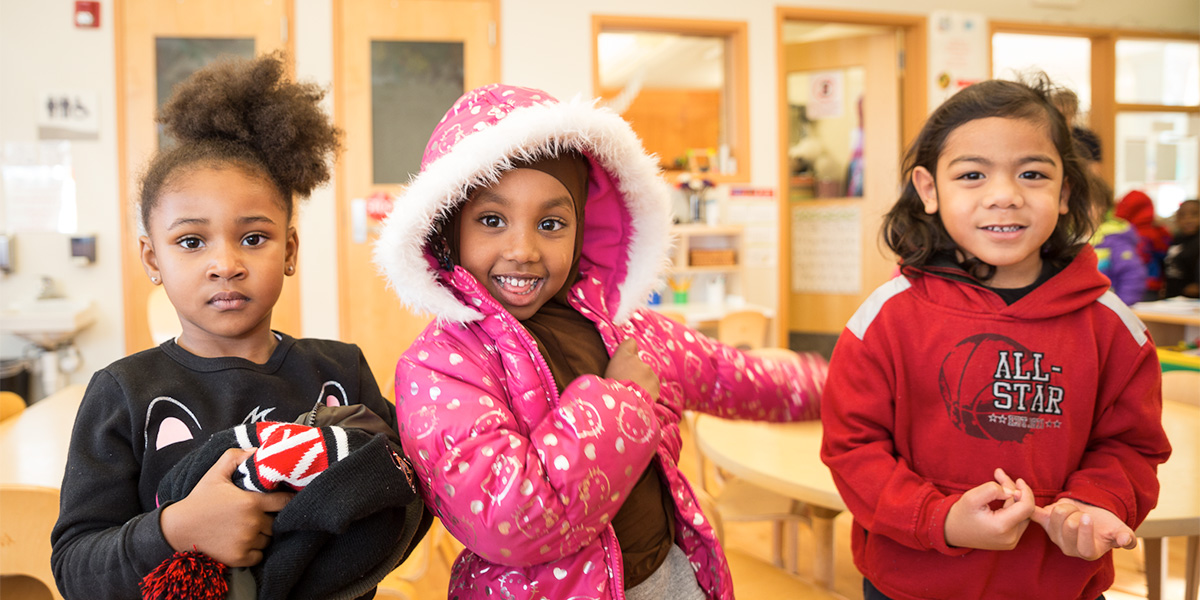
(994, 388)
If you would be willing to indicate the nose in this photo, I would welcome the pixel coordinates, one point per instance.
(226, 262)
(522, 247)
(1004, 192)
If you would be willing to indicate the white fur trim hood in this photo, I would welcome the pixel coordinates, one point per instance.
(485, 137)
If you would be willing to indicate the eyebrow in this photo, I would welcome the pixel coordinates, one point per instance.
(486, 196)
(1035, 158)
(249, 220)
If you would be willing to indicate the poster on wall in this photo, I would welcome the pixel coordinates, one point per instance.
(39, 188)
(827, 249)
(958, 53)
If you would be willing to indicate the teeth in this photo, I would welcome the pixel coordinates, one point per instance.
(1008, 229)
(516, 281)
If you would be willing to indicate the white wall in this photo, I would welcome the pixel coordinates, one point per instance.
(544, 43)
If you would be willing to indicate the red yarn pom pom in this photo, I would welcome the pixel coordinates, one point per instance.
(190, 575)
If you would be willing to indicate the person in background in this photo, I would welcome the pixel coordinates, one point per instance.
(216, 209)
(1181, 267)
(1137, 208)
(542, 405)
(992, 418)
(1116, 244)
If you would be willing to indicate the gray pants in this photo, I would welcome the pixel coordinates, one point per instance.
(673, 580)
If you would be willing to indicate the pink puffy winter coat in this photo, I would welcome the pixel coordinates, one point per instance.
(527, 478)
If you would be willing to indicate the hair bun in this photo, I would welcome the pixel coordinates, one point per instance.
(250, 102)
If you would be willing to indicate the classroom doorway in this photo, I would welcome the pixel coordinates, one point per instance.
(160, 44)
(848, 103)
(399, 65)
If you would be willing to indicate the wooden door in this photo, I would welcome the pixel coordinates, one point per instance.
(160, 42)
(399, 65)
(821, 303)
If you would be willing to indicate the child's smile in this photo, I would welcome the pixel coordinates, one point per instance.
(517, 237)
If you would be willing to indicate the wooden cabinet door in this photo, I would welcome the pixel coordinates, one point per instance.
(159, 43)
(399, 65)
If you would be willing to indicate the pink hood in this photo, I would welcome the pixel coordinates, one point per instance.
(628, 213)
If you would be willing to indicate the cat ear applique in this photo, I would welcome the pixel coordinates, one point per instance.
(168, 422)
(333, 394)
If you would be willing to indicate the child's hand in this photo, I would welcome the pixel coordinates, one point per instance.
(971, 522)
(1083, 530)
(218, 518)
(626, 365)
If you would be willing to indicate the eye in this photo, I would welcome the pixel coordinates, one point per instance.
(491, 221)
(254, 239)
(553, 224)
(191, 243)
(1034, 175)
(971, 176)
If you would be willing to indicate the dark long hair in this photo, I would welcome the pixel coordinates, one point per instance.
(916, 237)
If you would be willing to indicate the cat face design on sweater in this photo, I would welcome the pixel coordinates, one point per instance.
(169, 421)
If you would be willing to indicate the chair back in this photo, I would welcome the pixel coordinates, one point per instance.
(1182, 386)
(743, 329)
(160, 315)
(11, 404)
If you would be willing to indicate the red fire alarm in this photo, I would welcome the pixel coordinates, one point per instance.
(87, 14)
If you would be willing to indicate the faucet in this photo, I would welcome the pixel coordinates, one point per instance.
(48, 289)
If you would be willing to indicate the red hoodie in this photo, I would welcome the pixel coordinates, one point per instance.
(935, 382)
(1137, 208)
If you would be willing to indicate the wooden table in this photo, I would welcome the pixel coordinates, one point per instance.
(785, 458)
(33, 458)
(702, 315)
(1169, 321)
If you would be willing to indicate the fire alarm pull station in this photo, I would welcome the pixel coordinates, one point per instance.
(87, 14)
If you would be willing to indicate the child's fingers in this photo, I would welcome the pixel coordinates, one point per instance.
(274, 502)
(1085, 538)
(228, 462)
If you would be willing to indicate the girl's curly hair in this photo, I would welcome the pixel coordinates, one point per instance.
(244, 113)
(916, 237)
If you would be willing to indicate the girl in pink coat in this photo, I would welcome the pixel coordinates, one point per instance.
(541, 407)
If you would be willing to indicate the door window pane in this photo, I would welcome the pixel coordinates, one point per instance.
(177, 58)
(1067, 60)
(1157, 153)
(1158, 72)
(412, 85)
(825, 143)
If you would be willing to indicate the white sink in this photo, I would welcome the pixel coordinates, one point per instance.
(48, 323)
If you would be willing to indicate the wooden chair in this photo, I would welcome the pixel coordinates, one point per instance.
(752, 576)
(25, 530)
(1182, 386)
(743, 329)
(161, 316)
(11, 404)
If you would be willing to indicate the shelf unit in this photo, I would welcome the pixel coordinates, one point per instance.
(707, 254)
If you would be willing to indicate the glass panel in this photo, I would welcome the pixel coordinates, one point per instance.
(1157, 153)
(1143, 67)
(1067, 60)
(177, 58)
(412, 85)
(671, 88)
(825, 133)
